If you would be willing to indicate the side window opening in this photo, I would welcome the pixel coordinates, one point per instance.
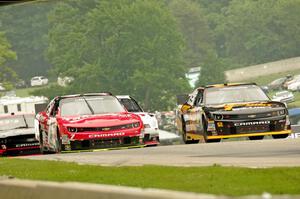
(199, 98)
(19, 107)
(5, 108)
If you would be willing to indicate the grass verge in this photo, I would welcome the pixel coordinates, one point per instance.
(218, 180)
(264, 80)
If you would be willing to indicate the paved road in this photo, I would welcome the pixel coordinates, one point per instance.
(262, 153)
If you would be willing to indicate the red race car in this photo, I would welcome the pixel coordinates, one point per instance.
(88, 121)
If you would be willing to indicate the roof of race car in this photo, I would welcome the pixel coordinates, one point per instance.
(123, 96)
(225, 85)
(86, 94)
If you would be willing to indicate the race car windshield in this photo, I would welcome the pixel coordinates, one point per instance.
(98, 105)
(234, 94)
(16, 121)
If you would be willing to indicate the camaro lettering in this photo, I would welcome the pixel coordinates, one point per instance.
(251, 123)
(106, 135)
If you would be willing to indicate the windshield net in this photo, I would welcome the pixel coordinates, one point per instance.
(88, 105)
(131, 105)
(235, 94)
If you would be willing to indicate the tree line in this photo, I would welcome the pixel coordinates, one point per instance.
(141, 47)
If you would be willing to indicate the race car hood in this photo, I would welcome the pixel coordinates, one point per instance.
(246, 108)
(101, 120)
(16, 132)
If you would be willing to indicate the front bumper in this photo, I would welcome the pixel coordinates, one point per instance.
(19, 150)
(102, 143)
(151, 137)
(258, 125)
(249, 134)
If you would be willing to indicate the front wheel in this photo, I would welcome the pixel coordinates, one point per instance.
(42, 147)
(205, 133)
(58, 143)
(280, 136)
(256, 137)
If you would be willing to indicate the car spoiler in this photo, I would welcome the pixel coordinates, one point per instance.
(182, 98)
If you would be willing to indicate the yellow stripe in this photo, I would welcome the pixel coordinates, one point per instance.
(249, 134)
(105, 149)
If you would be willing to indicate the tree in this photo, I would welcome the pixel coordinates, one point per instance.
(126, 47)
(199, 39)
(212, 71)
(7, 75)
(261, 31)
(26, 28)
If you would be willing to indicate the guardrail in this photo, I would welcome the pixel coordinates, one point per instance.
(27, 189)
(295, 131)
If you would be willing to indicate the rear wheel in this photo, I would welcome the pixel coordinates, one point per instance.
(280, 136)
(256, 137)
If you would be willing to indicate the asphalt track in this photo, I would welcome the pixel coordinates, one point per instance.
(261, 153)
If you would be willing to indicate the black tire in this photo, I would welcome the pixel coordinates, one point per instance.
(58, 143)
(256, 137)
(213, 140)
(42, 149)
(280, 136)
(205, 133)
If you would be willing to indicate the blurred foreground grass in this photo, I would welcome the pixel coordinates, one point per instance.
(231, 181)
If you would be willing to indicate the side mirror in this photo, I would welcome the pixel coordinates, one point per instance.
(185, 107)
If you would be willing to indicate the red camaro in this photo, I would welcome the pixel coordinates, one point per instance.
(88, 121)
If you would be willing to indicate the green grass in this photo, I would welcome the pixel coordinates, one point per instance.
(264, 80)
(218, 180)
(25, 92)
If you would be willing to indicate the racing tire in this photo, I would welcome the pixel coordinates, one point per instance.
(58, 143)
(280, 136)
(213, 140)
(260, 137)
(42, 148)
(205, 133)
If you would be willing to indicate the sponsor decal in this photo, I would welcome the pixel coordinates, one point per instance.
(251, 123)
(251, 116)
(106, 135)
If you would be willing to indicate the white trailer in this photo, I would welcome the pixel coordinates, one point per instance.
(20, 105)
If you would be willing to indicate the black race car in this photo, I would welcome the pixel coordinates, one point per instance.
(17, 135)
(231, 110)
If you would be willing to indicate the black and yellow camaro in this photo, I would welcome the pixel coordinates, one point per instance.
(231, 110)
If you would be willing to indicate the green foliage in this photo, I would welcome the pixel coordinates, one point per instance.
(26, 28)
(260, 31)
(144, 47)
(7, 75)
(198, 37)
(126, 47)
(231, 181)
(212, 71)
